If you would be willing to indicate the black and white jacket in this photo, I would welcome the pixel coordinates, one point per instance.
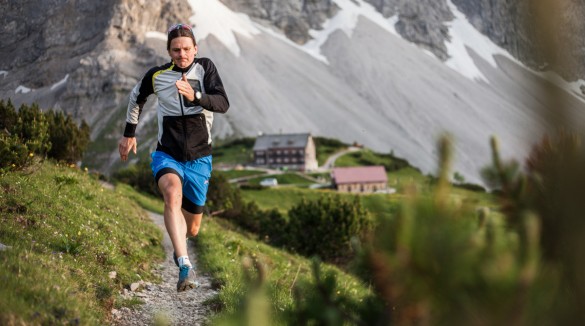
(184, 127)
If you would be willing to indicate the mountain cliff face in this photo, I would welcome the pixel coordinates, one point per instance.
(295, 18)
(97, 46)
(513, 25)
(84, 56)
(540, 35)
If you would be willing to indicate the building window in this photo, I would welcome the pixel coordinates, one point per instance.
(286, 160)
(260, 161)
(278, 160)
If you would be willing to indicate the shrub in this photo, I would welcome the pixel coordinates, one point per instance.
(222, 196)
(326, 226)
(470, 186)
(69, 141)
(13, 153)
(139, 176)
(32, 128)
(23, 134)
(8, 115)
(30, 131)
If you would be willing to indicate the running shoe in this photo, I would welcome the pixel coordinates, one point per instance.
(186, 278)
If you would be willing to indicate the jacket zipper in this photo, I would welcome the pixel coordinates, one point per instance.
(184, 127)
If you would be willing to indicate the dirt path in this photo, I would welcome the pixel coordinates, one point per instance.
(163, 305)
(330, 163)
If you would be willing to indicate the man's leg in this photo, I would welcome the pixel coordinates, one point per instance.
(171, 188)
(193, 222)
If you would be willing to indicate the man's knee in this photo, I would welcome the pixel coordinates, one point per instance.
(193, 223)
(193, 230)
(170, 188)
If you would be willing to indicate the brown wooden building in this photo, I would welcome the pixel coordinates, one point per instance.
(291, 151)
(365, 179)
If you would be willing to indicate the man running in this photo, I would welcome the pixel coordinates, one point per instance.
(189, 90)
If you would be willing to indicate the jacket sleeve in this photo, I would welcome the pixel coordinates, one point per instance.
(136, 101)
(215, 98)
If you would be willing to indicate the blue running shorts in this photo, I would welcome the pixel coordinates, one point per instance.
(194, 176)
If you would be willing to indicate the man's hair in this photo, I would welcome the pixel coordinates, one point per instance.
(178, 31)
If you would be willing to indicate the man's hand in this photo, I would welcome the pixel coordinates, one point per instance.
(185, 88)
(125, 146)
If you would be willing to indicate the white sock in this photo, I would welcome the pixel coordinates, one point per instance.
(184, 260)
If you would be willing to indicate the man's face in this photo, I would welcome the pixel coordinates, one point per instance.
(182, 51)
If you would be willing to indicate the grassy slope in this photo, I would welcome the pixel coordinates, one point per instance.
(380, 205)
(222, 249)
(67, 234)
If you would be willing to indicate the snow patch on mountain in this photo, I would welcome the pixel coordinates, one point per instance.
(463, 36)
(346, 21)
(60, 83)
(213, 18)
(22, 90)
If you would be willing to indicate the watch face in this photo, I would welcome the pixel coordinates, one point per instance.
(198, 95)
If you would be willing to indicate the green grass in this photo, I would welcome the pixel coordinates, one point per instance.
(232, 174)
(404, 178)
(146, 201)
(285, 179)
(326, 176)
(283, 199)
(67, 233)
(222, 251)
(222, 247)
(366, 157)
(326, 147)
(380, 205)
(231, 152)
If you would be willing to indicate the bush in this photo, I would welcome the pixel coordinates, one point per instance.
(13, 153)
(32, 128)
(222, 196)
(251, 186)
(139, 176)
(470, 186)
(30, 131)
(69, 141)
(326, 226)
(23, 134)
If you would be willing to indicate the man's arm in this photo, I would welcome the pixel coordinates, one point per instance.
(215, 98)
(136, 102)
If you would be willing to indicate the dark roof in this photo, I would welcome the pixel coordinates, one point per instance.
(359, 174)
(265, 142)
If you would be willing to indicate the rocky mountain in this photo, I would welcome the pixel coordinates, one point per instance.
(79, 56)
(516, 26)
(391, 74)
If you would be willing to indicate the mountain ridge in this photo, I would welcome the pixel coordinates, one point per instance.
(392, 106)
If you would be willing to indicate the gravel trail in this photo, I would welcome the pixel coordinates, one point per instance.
(163, 305)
